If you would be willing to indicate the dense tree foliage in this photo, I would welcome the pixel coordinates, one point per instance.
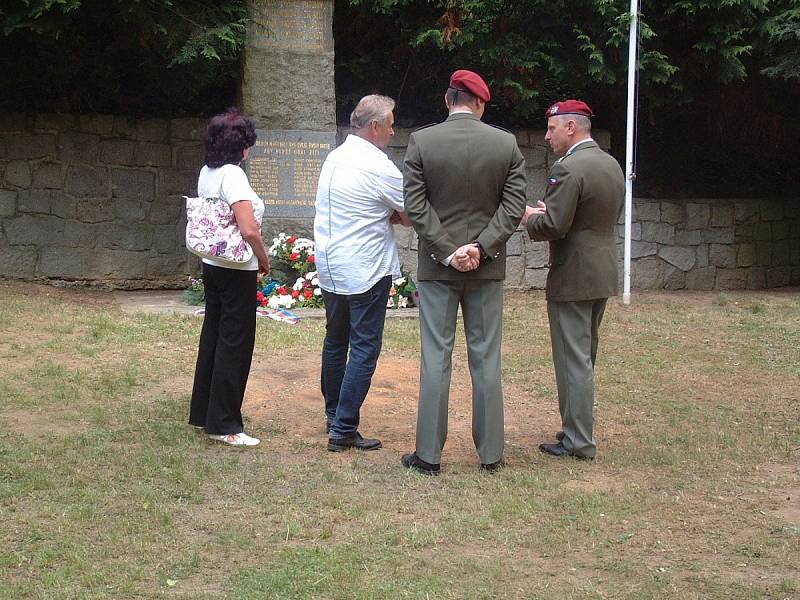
(718, 87)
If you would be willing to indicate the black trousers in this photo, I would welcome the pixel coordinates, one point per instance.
(226, 350)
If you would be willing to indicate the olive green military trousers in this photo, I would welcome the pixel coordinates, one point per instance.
(574, 335)
(481, 304)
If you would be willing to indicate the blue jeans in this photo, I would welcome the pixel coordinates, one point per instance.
(356, 323)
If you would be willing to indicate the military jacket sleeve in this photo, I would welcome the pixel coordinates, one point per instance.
(510, 211)
(418, 208)
(561, 201)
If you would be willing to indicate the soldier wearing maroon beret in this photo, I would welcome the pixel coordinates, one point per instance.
(578, 216)
(464, 184)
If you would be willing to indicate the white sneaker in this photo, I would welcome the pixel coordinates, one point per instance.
(236, 439)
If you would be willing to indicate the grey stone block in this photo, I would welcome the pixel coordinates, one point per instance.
(95, 210)
(133, 184)
(62, 205)
(515, 271)
(756, 278)
(48, 175)
(148, 154)
(130, 236)
(778, 276)
(36, 230)
(168, 240)
(99, 124)
(514, 245)
(762, 231)
(661, 233)
(722, 255)
(55, 122)
(117, 152)
(781, 230)
(682, 258)
(771, 210)
(523, 137)
(152, 130)
(18, 174)
(88, 182)
(25, 145)
(743, 233)
(78, 147)
(688, 238)
(190, 157)
(731, 279)
(536, 185)
(602, 137)
(646, 211)
(537, 254)
(795, 254)
(674, 279)
(746, 255)
(81, 235)
(781, 253)
(8, 203)
(642, 249)
(722, 216)
(118, 264)
(129, 210)
(702, 255)
(34, 201)
(172, 182)
(535, 158)
(18, 262)
(795, 275)
(648, 273)
(535, 279)
(125, 127)
(672, 213)
(54, 262)
(764, 253)
(701, 278)
(746, 211)
(192, 129)
(165, 265)
(698, 216)
(719, 235)
(408, 260)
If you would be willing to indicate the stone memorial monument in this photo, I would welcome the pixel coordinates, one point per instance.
(287, 85)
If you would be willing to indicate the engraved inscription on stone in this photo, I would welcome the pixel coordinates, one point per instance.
(284, 168)
(302, 25)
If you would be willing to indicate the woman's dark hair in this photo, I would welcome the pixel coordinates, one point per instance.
(227, 135)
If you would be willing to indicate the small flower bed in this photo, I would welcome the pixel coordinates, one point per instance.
(293, 282)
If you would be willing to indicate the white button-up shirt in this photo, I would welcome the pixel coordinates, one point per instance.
(359, 188)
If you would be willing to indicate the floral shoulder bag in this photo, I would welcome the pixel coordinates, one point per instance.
(212, 231)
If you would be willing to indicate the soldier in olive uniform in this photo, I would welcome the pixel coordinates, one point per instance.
(464, 184)
(582, 204)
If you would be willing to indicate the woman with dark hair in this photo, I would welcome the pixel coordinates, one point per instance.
(229, 327)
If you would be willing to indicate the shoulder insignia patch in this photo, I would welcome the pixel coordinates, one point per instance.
(552, 181)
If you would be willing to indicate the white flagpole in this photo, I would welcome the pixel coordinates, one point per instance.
(629, 174)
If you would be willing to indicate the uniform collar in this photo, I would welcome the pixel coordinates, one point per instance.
(576, 144)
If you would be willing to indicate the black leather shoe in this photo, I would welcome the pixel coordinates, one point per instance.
(339, 444)
(493, 467)
(560, 450)
(560, 435)
(412, 461)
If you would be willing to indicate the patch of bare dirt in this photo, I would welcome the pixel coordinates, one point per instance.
(35, 423)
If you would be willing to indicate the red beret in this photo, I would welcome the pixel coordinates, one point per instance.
(467, 81)
(569, 107)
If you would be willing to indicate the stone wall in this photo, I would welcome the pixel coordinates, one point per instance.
(98, 199)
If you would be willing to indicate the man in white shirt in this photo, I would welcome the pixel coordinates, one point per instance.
(360, 195)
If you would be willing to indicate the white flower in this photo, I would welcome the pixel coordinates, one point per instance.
(311, 275)
(315, 281)
(273, 302)
(318, 292)
(400, 281)
(286, 301)
(299, 284)
(390, 303)
(403, 302)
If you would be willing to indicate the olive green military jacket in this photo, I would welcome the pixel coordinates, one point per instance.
(584, 199)
(464, 181)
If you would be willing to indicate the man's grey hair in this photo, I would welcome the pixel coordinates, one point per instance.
(582, 123)
(371, 108)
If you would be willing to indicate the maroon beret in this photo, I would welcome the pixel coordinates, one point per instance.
(467, 81)
(569, 107)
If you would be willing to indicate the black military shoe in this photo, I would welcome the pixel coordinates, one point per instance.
(412, 461)
(560, 449)
(339, 444)
(493, 467)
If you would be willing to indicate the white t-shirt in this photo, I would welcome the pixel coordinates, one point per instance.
(229, 183)
(359, 188)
